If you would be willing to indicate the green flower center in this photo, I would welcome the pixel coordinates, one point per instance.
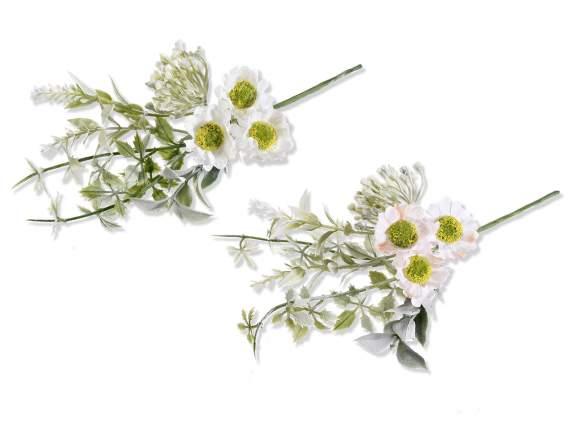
(243, 94)
(402, 234)
(264, 134)
(450, 229)
(418, 271)
(209, 136)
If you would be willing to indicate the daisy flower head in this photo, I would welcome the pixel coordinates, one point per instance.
(264, 137)
(420, 274)
(211, 145)
(453, 229)
(401, 228)
(245, 90)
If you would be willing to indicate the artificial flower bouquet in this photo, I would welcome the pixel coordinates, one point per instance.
(403, 250)
(143, 156)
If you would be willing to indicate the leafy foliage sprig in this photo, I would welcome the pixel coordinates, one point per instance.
(140, 155)
(394, 314)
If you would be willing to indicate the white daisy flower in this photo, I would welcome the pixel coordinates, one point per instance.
(401, 228)
(212, 145)
(246, 91)
(420, 274)
(264, 137)
(454, 229)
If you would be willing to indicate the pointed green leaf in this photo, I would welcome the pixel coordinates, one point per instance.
(345, 319)
(366, 323)
(210, 177)
(184, 195)
(84, 124)
(164, 131)
(103, 97)
(421, 323)
(409, 357)
(377, 277)
(124, 149)
(93, 191)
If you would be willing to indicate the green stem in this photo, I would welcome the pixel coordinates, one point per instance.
(316, 298)
(268, 240)
(89, 158)
(317, 87)
(517, 212)
(261, 323)
(95, 212)
(82, 216)
(279, 105)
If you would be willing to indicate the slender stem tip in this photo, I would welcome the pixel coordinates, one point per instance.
(518, 211)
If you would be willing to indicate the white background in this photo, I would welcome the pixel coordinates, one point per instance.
(138, 329)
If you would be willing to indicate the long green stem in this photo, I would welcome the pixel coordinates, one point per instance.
(517, 212)
(317, 87)
(92, 213)
(89, 158)
(78, 217)
(253, 237)
(314, 299)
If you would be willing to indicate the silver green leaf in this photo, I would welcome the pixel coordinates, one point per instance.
(409, 357)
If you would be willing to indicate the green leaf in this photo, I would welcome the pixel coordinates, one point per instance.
(84, 124)
(324, 238)
(347, 259)
(376, 343)
(93, 191)
(277, 318)
(158, 194)
(111, 179)
(184, 195)
(124, 149)
(139, 145)
(120, 207)
(377, 277)
(421, 323)
(409, 357)
(108, 224)
(164, 131)
(319, 325)
(357, 251)
(117, 92)
(342, 300)
(168, 154)
(298, 331)
(188, 214)
(210, 177)
(151, 166)
(103, 97)
(348, 229)
(80, 102)
(345, 320)
(199, 192)
(387, 303)
(366, 323)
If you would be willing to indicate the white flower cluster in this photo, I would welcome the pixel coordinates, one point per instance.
(423, 241)
(180, 81)
(243, 123)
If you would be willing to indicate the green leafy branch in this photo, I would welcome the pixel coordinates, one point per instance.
(316, 248)
(141, 137)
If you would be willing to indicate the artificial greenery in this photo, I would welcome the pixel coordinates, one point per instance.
(139, 153)
(373, 288)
